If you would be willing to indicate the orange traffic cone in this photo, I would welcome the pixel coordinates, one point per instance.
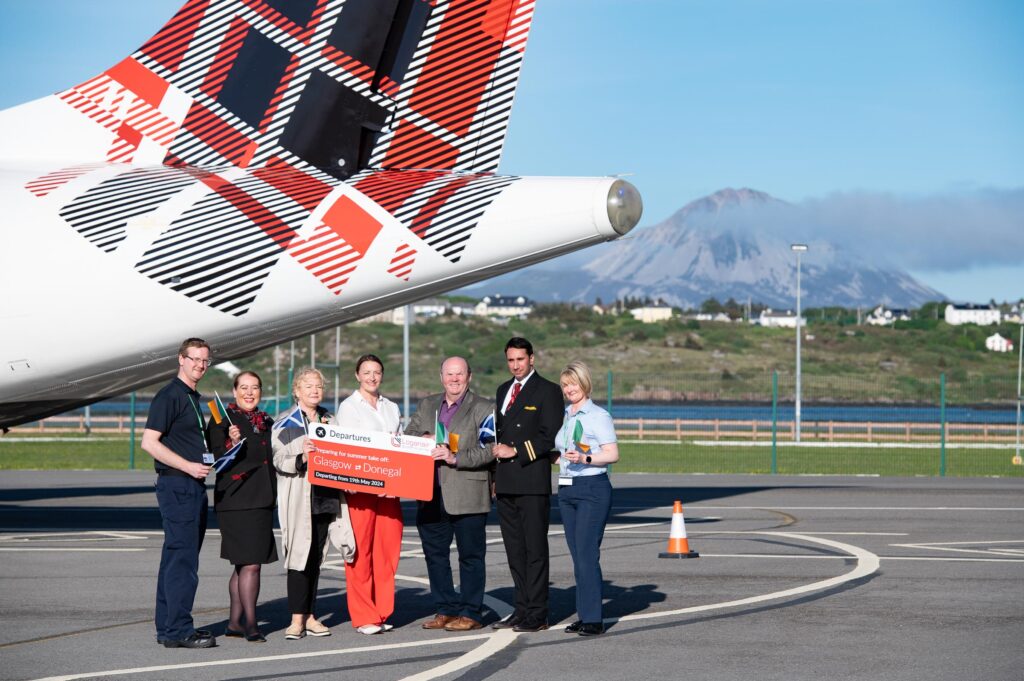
(678, 546)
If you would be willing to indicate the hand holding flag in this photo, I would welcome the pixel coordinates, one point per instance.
(229, 456)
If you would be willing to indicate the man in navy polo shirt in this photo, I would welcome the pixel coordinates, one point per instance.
(174, 437)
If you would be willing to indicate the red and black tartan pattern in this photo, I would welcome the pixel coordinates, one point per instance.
(261, 78)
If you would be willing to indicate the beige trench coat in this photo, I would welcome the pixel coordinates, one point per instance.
(293, 504)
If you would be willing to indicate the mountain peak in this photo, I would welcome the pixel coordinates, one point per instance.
(724, 198)
(721, 245)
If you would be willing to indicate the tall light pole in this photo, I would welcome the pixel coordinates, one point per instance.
(798, 249)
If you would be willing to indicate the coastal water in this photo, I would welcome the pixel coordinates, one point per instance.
(725, 412)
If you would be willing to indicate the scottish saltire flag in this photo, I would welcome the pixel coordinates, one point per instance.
(487, 435)
(295, 419)
(577, 437)
(229, 456)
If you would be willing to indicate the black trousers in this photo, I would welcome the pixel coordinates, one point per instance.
(524, 522)
(302, 584)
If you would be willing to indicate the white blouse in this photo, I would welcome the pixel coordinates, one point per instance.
(356, 412)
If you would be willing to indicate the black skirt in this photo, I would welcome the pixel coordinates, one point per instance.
(247, 537)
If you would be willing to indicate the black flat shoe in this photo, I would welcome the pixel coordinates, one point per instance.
(231, 633)
(256, 638)
(590, 629)
(193, 641)
(530, 627)
(574, 628)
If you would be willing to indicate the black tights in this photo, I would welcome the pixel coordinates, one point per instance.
(244, 589)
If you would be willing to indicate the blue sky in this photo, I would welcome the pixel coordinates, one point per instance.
(912, 104)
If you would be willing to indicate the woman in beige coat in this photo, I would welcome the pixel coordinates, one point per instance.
(309, 514)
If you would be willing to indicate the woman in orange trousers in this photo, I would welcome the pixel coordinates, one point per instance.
(376, 519)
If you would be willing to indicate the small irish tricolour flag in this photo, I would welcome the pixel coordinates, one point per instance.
(577, 437)
(217, 409)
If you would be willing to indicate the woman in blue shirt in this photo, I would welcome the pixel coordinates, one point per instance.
(587, 445)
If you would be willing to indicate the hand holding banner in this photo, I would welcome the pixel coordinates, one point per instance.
(371, 461)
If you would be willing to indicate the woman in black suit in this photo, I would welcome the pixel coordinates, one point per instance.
(244, 499)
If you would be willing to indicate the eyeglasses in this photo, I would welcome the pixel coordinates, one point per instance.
(199, 360)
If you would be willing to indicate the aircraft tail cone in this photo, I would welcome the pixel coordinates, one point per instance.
(678, 546)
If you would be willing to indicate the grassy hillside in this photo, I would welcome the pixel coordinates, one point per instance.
(681, 359)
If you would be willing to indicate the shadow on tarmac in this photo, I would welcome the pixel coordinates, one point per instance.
(21, 510)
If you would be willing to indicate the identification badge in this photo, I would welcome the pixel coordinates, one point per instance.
(208, 458)
(564, 480)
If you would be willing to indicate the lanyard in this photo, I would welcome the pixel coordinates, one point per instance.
(199, 418)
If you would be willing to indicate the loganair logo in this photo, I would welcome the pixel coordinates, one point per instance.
(396, 440)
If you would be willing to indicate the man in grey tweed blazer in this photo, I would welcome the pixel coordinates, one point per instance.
(462, 498)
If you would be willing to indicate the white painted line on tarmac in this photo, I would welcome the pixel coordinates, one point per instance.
(849, 508)
(834, 445)
(496, 642)
(867, 563)
(493, 642)
(41, 549)
(703, 507)
(955, 559)
(268, 658)
(953, 546)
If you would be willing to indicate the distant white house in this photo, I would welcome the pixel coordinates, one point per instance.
(708, 317)
(505, 306)
(784, 320)
(972, 314)
(881, 316)
(1015, 315)
(424, 309)
(652, 314)
(997, 343)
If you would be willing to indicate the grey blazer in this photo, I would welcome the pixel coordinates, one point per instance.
(465, 487)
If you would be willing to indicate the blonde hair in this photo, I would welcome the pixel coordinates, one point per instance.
(578, 373)
(301, 374)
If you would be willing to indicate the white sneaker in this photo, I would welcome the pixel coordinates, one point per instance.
(369, 629)
(386, 627)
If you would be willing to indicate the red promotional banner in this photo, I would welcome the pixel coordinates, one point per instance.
(367, 461)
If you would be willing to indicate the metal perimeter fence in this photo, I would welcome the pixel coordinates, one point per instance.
(729, 423)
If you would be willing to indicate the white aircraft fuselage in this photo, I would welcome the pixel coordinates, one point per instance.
(249, 177)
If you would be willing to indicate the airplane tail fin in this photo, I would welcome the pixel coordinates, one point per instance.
(341, 86)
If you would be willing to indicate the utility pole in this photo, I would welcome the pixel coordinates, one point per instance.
(798, 249)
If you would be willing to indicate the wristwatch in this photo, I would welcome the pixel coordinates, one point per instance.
(589, 458)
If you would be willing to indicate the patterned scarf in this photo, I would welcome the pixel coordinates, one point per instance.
(257, 418)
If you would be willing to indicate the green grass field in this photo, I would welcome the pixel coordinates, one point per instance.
(793, 460)
(85, 453)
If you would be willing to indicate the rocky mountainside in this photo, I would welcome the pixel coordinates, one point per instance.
(726, 245)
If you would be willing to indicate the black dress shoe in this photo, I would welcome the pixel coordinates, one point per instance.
(507, 623)
(201, 632)
(231, 633)
(530, 626)
(256, 637)
(194, 641)
(590, 629)
(574, 628)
